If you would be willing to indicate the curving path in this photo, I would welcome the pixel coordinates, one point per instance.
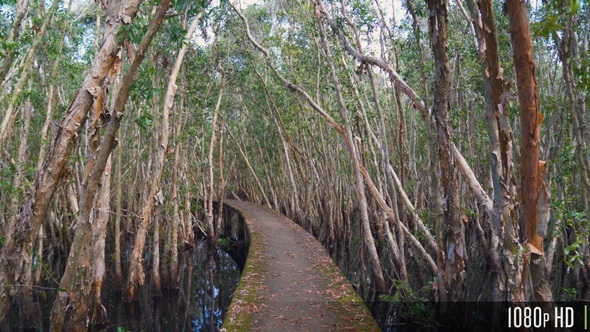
(289, 282)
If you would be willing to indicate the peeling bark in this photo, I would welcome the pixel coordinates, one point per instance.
(454, 255)
(23, 233)
(530, 121)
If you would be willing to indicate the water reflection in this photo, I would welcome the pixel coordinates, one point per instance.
(209, 279)
(209, 276)
(217, 281)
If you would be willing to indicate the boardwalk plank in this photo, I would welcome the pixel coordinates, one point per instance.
(289, 282)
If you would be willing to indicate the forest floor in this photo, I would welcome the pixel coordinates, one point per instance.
(289, 281)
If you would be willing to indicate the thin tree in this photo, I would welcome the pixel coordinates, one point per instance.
(136, 274)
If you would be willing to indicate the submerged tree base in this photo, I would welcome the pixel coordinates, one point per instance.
(208, 279)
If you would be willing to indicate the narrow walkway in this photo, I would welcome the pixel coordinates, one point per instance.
(289, 282)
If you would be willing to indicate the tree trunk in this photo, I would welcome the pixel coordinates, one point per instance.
(10, 113)
(369, 241)
(210, 185)
(21, 12)
(24, 231)
(454, 254)
(174, 196)
(102, 214)
(78, 270)
(530, 121)
(136, 274)
(118, 212)
(501, 164)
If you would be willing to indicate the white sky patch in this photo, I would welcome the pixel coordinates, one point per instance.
(396, 8)
(390, 8)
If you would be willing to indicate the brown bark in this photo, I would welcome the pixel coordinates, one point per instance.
(21, 12)
(78, 269)
(102, 212)
(10, 114)
(452, 262)
(85, 292)
(530, 117)
(136, 274)
(24, 232)
(501, 164)
(530, 121)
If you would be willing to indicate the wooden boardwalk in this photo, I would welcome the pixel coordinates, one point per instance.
(289, 282)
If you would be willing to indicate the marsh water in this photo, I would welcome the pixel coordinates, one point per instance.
(208, 276)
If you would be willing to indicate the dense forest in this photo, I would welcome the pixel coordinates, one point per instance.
(438, 149)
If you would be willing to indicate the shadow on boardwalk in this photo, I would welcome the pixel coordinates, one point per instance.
(289, 282)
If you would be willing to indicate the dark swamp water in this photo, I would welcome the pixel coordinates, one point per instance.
(208, 277)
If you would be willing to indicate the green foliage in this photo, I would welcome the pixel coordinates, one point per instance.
(6, 176)
(582, 72)
(519, 252)
(365, 14)
(224, 243)
(174, 39)
(411, 304)
(570, 293)
(144, 121)
(7, 47)
(133, 32)
(7, 2)
(572, 253)
(552, 14)
(190, 6)
(547, 26)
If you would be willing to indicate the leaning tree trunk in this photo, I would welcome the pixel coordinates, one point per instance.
(368, 239)
(10, 112)
(22, 234)
(136, 274)
(74, 288)
(21, 12)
